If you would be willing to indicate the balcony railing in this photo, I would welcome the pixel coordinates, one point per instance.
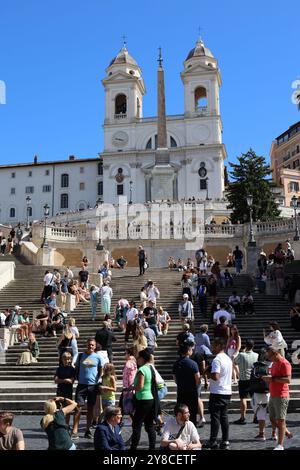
(121, 116)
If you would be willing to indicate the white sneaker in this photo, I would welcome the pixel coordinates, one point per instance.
(278, 447)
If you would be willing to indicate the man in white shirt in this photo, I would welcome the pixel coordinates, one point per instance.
(222, 313)
(179, 432)
(131, 317)
(2, 318)
(220, 395)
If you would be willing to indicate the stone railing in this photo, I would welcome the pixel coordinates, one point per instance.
(278, 226)
(63, 234)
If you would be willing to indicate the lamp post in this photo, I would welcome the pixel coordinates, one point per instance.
(28, 201)
(295, 205)
(46, 213)
(206, 179)
(130, 192)
(99, 246)
(251, 241)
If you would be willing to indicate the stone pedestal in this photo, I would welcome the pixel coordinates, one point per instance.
(252, 258)
(162, 182)
(46, 256)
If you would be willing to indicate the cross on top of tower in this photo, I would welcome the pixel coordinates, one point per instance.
(124, 41)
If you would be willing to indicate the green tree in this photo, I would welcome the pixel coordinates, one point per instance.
(250, 176)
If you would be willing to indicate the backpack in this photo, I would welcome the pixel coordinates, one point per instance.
(257, 385)
(201, 291)
(10, 319)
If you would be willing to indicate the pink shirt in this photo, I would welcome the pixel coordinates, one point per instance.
(129, 372)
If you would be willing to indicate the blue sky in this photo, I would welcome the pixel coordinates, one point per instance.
(53, 55)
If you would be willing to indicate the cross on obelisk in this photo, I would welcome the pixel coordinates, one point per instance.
(124, 41)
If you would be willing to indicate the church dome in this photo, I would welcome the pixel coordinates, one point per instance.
(123, 57)
(199, 51)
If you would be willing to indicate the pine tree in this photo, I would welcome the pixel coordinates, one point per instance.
(250, 176)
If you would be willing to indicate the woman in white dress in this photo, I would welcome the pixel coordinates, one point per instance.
(275, 339)
(144, 297)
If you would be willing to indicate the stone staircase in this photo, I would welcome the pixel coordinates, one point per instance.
(23, 389)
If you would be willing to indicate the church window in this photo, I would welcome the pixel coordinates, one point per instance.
(131, 72)
(149, 145)
(100, 188)
(173, 142)
(64, 201)
(120, 105)
(203, 184)
(100, 168)
(81, 186)
(65, 180)
(12, 213)
(29, 211)
(200, 99)
(120, 189)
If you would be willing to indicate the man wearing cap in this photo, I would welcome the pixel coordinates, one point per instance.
(186, 310)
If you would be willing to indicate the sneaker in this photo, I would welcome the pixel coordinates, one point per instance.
(88, 434)
(278, 447)
(260, 437)
(74, 436)
(224, 445)
(210, 445)
(240, 421)
(274, 437)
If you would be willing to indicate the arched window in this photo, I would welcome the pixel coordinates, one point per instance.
(149, 145)
(173, 142)
(81, 206)
(120, 104)
(12, 213)
(100, 168)
(200, 99)
(64, 201)
(65, 180)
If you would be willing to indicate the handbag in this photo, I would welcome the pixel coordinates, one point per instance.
(128, 402)
(146, 265)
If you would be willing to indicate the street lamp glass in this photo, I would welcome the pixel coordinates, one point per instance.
(249, 200)
(28, 200)
(294, 202)
(46, 210)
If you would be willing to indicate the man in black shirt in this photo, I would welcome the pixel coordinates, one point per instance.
(105, 338)
(238, 257)
(150, 316)
(84, 276)
(187, 377)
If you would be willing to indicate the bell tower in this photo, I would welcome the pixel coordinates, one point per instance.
(124, 89)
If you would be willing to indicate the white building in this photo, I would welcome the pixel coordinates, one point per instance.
(194, 139)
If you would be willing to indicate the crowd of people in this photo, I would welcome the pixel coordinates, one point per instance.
(215, 365)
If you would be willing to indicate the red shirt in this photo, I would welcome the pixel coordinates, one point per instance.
(281, 368)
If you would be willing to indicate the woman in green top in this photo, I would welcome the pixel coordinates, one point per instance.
(32, 352)
(145, 404)
(54, 423)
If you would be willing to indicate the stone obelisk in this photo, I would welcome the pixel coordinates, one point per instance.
(162, 173)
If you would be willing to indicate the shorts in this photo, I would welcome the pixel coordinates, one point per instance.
(108, 402)
(86, 392)
(278, 407)
(244, 388)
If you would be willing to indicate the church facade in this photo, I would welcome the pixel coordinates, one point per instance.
(177, 157)
(193, 139)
